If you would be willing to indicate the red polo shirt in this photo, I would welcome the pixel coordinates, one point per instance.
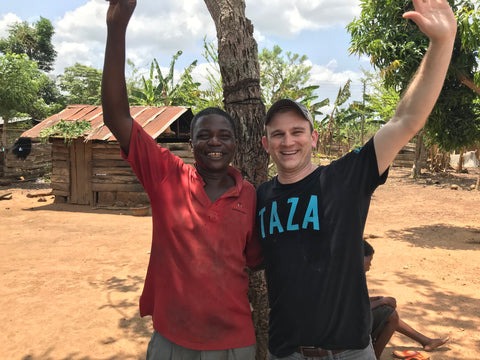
(196, 284)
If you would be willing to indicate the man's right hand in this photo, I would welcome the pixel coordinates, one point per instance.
(119, 12)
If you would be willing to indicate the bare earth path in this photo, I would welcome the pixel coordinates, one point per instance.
(71, 276)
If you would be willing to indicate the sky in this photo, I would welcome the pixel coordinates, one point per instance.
(158, 29)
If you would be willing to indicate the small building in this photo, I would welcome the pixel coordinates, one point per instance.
(14, 151)
(90, 170)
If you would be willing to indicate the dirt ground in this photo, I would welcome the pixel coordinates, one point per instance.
(71, 276)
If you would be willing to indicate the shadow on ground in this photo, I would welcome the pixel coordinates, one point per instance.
(439, 236)
(79, 209)
(120, 292)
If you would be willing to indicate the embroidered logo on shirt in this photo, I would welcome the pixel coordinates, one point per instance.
(239, 207)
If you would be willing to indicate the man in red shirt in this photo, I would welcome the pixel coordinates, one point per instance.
(203, 223)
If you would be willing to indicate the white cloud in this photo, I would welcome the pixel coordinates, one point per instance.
(201, 73)
(331, 81)
(159, 30)
(154, 29)
(288, 18)
(6, 21)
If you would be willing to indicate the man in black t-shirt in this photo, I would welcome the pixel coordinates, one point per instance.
(311, 219)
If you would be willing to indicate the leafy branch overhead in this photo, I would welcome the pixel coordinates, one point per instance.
(396, 47)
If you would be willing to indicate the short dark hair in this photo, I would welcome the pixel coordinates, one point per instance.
(212, 111)
(367, 248)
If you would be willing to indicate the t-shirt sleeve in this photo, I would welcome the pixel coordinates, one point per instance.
(360, 168)
(150, 162)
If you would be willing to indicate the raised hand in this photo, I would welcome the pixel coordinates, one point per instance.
(434, 18)
(119, 12)
(116, 111)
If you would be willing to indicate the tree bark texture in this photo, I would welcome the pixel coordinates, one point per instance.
(238, 61)
(240, 70)
(419, 154)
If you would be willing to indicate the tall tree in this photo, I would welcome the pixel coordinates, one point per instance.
(81, 84)
(20, 83)
(33, 40)
(396, 47)
(283, 76)
(238, 60)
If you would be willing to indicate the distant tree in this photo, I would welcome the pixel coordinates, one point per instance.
(51, 99)
(380, 101)
(159, 89)
(350, 123)
(81, 84)
(396, 47)
(283, 76)
(213, 95)
(342, 96)
(33, 40)
(20, 84)
(133, 78)
(279, 78)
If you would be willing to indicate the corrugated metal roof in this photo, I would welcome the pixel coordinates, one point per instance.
(155, 120)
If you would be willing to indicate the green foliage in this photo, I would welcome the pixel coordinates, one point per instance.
(457, 119)
(68, 130)
(81, 84)
(396, 47)
(279, 77)
(34, 41)
(381, 101)
(283, 77)
(331, 124)
(133, 79)
(20, 84)
(213, 96)
(160, 90)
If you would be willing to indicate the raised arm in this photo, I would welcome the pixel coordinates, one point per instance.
(116, 111)
(435, 19)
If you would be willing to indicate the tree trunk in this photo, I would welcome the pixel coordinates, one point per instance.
(3, 146)
(460, 162)
(4, 134)
(418, 162)
(238, 61)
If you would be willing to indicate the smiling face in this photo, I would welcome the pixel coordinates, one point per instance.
(213, 143)
(289, 141)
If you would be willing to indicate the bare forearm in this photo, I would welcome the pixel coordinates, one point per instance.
(416, 104)
(116, 112)
(436, 20)
(422, 93)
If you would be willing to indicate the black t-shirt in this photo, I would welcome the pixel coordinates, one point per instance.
(311, 233)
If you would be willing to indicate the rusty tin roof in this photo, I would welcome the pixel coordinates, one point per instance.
(155, 120)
